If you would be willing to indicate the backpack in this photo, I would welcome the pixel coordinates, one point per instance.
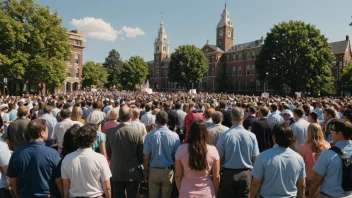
(346, 169)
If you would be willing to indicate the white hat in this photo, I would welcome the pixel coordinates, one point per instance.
(3, 106)
(286, 111)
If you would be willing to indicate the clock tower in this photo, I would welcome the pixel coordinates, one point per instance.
(161, 52)
(225, 31)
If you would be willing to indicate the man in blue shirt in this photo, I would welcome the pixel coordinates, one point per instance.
(328, 168)
(31, 166)
(299, 129)
(160, 146)
(51, 123)
(275, 115)
(238, 149)
(279, 171)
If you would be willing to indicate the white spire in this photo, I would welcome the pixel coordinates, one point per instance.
(225, 19)
(161, 43)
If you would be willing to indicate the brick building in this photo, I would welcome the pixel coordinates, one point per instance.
(238, 60)
(74, 64)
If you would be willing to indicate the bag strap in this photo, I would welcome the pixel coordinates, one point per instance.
(338, 151)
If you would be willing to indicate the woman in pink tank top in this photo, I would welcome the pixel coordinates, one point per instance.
(311, 149)
(195, 162)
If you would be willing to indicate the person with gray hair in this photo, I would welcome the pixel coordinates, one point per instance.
(135, 123)
(50, 122)
(238, 149)
(217, 128)
(124, 147)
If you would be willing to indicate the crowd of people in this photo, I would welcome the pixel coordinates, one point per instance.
(124, 144)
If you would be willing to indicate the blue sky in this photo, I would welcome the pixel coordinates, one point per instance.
(134, 23)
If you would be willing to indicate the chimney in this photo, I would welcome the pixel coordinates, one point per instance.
(347, 38)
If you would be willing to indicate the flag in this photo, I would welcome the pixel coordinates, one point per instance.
(145, 86)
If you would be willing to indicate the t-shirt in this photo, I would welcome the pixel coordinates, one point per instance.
(85, 169)
(101, 137)
(5, 155)
(197, 183)
(33, 164)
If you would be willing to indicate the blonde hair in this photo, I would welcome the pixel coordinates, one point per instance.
(114, 114)
(76, 114)
(315, 138)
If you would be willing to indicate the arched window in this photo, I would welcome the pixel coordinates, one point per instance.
(240, 70)
(234, 70)
(248, 70)
(77, 72)
(253, 70)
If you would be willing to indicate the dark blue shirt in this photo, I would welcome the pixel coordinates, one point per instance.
(34, 164)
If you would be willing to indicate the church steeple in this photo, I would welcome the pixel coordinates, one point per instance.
(161, 43)
(225, 31)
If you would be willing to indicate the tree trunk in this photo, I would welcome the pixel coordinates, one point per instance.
(21, 87)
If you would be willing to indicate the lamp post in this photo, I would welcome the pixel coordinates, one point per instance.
(265, 77)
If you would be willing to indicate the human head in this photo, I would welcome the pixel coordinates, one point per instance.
(148, 107)
(251, 110)
(37, 130)
(273, 107)
(237, 115)
(22, 111)
(97, 105)
(329, 113)
(114, 114)
(217, 117)
(76, 114)
(208, 113)
(283, 135)
(135, 113)
(69, 144)
(86, 136)
(197, 145)
(65, 113)
(298, 113)
(47, 109)
(341, 130)
(313, 117)
(125, 113)
(286, 114)
(162, 118)
(315, 137)
(263, 112)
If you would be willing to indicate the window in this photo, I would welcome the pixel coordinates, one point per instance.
(76, 58)
(240, 57)
(234, 70)
(248, 70)
(68, 72)
(213, 84)
(77, 72)
(157, 49)
(213, 59)
(234, 57)
(164, 72)
(240, 70)
(78, 42)
(248, 55)
(164, 48)
(253, 70)
(157, 73)
(157, 63)
(228, 58)
(212, 72)
(253, 55)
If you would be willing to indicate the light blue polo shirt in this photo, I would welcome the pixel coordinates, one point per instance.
(162, 145)
(278, 169)
(329, 165)
(299, 130)
(237, 146)
(276, 117)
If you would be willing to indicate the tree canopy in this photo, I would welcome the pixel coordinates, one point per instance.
(296, 55)
(33, 43)
(94, 74)
(134, 72)
(187, 66)
(346, 78)
(113, 65)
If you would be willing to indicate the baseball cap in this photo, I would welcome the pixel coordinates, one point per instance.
(286, 111)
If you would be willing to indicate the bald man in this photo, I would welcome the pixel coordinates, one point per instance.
(124, 147)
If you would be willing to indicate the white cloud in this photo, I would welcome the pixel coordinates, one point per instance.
(95, 28)
(131, 32)
(101, 30)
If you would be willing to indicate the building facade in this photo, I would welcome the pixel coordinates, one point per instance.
(74, 65)
(237, 60)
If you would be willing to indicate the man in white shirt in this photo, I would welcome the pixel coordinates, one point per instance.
(85, 173)
(5, 156)
(148, 119)
(136, 123)
(181, 119)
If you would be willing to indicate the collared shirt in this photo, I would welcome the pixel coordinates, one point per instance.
(275, 117)
(237, 146)
(88, 112)
(162, 145)
(215, 131)
(5, 155)
(278, 169)
(181, 117)
(329, 165)
(140, 126)
(148, 119)
(60, 130)
(16, 132)
(320, 113)
(209, 123)
(33, 165)
(299, 130)
(50, 122)
(55, 111)
(13, 115)
(88, 166)
(107, 109)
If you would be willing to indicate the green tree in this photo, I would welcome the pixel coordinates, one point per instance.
(34, 44)
(187, 66)
(113, 65)
(346, 78)
(94, 74)
(134, 72)
(296, 55)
